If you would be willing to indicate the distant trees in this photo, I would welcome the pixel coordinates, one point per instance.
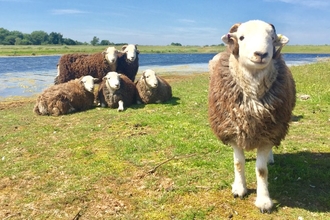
(176, 44)
(41, 37)
(55, 38)
(106, 42)
(95, 41)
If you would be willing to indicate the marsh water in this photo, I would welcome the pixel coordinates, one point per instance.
(28, 76)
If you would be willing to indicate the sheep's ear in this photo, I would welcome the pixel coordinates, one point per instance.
(231, 39)
(104, 52)
(96, 80)
(281, 40)
(137, 51)
(120, 53)
(124, 47)
(234, 28)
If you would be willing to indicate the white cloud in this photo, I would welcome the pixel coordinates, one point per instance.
(186, 21)
(67, 11)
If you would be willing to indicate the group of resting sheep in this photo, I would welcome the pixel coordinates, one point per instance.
(251, 94)
(114, 70)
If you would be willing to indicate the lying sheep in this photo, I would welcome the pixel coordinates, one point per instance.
(65, 98)
(128, 61)
(116, 91)
(251, 98)
(152, 88)
(72, 66)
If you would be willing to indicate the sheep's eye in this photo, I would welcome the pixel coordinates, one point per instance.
(241, 38)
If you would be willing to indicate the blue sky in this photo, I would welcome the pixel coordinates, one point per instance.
(151, 22)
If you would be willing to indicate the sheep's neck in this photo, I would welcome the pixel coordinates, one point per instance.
(254, 83)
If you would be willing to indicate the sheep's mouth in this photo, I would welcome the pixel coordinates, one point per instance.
(259, 62)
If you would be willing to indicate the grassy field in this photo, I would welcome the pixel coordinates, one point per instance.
(62, 49)
(159, 161)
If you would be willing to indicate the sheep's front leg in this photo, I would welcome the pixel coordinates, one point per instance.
(263, 201)
(239, 185)
(121, 106)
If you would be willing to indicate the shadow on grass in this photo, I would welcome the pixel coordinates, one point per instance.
(296, 118)
(172, 101)
(301, 180)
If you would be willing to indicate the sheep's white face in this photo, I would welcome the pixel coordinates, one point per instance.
(256, 43)
(131, 52)
(111, 54)
(112, 80)
(150, 78)
(88, 82)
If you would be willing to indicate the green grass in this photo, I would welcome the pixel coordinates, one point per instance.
(159, 161)
(34, 50)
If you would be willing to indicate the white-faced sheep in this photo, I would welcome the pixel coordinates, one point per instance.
(72, 96)
(128, 61)
(251, 98)
(116, 91)
(72, 66)
(152, 88)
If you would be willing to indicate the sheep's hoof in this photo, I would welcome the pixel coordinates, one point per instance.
(265, 211)
(264, 203)
(238, 196)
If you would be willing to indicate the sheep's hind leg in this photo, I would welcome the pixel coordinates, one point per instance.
(263, 201)
(239, 186)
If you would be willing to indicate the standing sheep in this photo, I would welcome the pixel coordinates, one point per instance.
(128, 61)
(116, 91)
(72, 66)
(251, 98)
(152, 88)
(75, 95)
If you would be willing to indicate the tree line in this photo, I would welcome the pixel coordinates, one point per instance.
(42, 38)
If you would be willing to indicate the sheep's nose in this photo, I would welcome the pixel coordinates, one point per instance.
(260, 54)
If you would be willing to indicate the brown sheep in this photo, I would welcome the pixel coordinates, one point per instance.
(116, 91)
(72, 66)
(251, 98)
(128, 61)
(72, 96)
(152, 88)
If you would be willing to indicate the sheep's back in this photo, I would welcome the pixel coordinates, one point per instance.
(67, 72)
(72, 66)
(232, 114)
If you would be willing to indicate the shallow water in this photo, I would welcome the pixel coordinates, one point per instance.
(28, 76)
